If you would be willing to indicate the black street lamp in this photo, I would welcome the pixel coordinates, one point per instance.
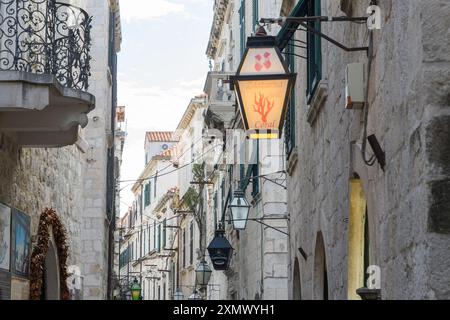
(220, 251)
(240, 209)
(136, 290)
(263, 85)
(203, 274)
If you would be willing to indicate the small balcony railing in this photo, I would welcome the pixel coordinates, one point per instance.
(46, 37)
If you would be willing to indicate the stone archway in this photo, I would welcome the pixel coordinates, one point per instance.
(51, 275)
(48, 276)
(320, 283)
(297, 285)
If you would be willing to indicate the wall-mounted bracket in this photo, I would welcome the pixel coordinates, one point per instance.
(303, 21)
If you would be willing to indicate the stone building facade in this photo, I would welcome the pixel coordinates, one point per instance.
(50, 170)
(98, 212)
(347, 215)
(147, 231)
(260, 262)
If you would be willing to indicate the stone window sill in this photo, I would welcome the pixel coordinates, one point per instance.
(292, 161)
(317, 102)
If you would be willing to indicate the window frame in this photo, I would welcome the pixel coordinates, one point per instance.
(314, 51)
(191, 243)
(242, 21)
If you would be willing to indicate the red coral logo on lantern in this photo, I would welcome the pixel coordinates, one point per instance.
(263, 63)
(263, 106)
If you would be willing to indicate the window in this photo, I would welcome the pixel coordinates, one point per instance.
(191, 243)
(159, 237)
(255, 172)
(289, 134)
(242, 27)
(314, 50)
(147, 195)
(144, 243)
(255, 14)
(164, 291)
(154, 236)
(358, 239)
(111, 40)
(184, 248)
(149, 238)
(164, 234)
(252, 171)
(215, 210)
(320, 283)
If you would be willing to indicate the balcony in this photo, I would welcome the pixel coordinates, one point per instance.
(221, 100)
(44, 71)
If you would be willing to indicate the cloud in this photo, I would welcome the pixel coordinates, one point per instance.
(196, 83)
(132, 10)
(149, 108)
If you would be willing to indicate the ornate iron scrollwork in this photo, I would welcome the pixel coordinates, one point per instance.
(46, 37)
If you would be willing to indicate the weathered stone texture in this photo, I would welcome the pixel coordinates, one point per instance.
(34, 179)
(408, 112)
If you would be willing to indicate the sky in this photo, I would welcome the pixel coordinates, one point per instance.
(161, 66)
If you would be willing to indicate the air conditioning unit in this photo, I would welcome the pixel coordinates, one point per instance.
(355, 83)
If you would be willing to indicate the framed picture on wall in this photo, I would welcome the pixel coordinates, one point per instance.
(5, 237)
(20, 244)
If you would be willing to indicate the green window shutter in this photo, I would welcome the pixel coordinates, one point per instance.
(184, 248)
(154, 235)
(314, 50)
(290, 114)
(242, 26)
(164, 234)
(191, 244)
(255, 14)
(149, 238)
(149, 193)
(159, 237)
(215, 210)
(255, 173)
(146, 195)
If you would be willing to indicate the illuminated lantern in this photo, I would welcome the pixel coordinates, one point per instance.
(263, 85)
(136, 290)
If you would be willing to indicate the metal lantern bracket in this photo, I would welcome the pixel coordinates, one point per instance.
(260, 221)
(303, 21)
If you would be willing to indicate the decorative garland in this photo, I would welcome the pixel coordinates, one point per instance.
(49, 218)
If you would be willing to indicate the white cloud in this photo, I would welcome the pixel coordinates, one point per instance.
(148, 9)
(196, 83)
(147, 109)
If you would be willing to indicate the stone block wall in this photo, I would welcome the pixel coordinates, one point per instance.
(34, 179)
(409, 113)
(97, 134)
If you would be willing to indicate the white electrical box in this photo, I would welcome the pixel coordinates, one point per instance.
(354, 86)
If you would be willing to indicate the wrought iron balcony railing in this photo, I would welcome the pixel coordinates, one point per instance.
(46, 37)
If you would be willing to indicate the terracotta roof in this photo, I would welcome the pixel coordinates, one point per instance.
(160, 136)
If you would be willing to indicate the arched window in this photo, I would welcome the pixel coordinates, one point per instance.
(51, 286)
(358, 239)
(320, 291)
(297, 286)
